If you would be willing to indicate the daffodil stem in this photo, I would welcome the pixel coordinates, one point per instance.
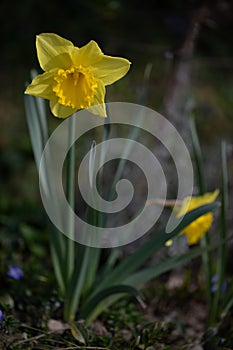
(70, 186)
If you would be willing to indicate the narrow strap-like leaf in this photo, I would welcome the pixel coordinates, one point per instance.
(205, 240)
(146, 274)
(34, 128)
(89, 308)
(222, 249)
(139, 257)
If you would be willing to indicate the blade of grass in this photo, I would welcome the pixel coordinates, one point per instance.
(228, 302)
(148, 273)
(75, 287)
(57, 254)
(41, 111)
(139, 257)
(205, 240)
(222, 249)
(91, 309)
(197, 156)
(34, 128)
(93, 254)
(40, 104)
(38, 136)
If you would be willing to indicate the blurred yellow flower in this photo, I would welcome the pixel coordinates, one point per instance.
(200, 226)
(74, 78)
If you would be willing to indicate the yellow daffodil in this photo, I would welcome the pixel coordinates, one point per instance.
(200, 226)
(74, 78)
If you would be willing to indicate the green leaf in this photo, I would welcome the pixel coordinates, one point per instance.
(197, 156)
(78, 332)
(144, 88)
(34, 128)
(222, 249)
(38, 131)
(41, 112)
(142, 254)
(151, 272)
(205, 240)
(94, 306)
(75, 286)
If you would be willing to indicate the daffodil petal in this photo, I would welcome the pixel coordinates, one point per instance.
(110, 69)
(53, 51)
(198, 228)
(41, 85)
(98, 110)
(209, 197)
(182, 210)
(98, 104)
(87, 55)
(190, 203)
(59, 110)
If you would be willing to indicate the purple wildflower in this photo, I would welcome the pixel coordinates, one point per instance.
(214, 288)
(1, 316)
(214, 278)
(214, 281)
(15, 272)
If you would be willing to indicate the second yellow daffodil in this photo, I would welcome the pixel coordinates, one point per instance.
(200, 226)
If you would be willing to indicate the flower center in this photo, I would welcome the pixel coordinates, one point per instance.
(75, 87)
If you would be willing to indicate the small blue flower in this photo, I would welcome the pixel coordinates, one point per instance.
(15, 272)
(1, 316)
(214, 287)
(214, 283)
(214, 278)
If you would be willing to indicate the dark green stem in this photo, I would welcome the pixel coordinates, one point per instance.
(205, 241)
(70, 190)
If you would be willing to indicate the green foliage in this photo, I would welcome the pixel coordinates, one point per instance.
(73, 263)
(219, 299)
